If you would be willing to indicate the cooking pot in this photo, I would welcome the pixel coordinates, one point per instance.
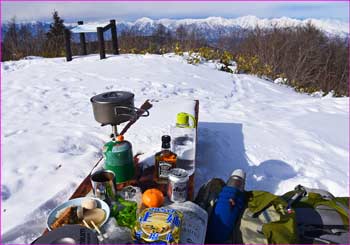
(115, 107)
(68, 234)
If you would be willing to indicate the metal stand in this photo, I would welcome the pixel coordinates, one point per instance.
(114, 132)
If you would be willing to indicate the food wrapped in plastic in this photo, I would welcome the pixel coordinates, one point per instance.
(158, 225)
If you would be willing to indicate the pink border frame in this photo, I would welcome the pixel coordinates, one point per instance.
(153, 1)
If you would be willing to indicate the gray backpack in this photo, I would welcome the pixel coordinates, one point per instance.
(321, 218)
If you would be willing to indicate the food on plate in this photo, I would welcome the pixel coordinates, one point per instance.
(152, 198)
(89, 204)
(97, 215)
(80, 213)
(66, 216)
(76, 215)
(158, 225)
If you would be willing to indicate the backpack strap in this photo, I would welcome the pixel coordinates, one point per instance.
(329, 235)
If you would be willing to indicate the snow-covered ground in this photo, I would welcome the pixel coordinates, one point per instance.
(50, 139)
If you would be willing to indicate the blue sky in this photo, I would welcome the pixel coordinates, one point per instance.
(92, 11)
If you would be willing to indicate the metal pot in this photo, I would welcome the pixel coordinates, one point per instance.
(114, 107)
(68, 234)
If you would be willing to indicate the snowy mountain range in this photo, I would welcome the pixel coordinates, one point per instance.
(212, 27)
(225, 25)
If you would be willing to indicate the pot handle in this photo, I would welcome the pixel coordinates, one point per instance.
(133, 109)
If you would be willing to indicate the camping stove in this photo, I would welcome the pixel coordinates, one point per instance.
(114, 108)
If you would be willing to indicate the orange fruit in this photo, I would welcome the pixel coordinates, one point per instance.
(152, 198)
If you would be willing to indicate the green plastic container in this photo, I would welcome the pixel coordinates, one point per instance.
(119, 159)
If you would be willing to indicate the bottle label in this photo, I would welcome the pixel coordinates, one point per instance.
(164, 169)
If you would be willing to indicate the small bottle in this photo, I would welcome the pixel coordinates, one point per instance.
(165, 160)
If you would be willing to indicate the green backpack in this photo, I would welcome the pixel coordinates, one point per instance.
(266, 221)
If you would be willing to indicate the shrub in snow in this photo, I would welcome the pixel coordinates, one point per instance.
(193, 58)
(209, 53)
(178, 50)
(253, 65)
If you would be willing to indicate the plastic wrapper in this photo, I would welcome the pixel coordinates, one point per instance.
(158, 225)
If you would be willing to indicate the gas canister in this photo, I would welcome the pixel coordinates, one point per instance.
(119, 159)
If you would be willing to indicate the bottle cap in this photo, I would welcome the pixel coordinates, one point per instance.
(239, 173)
(237, 179)
(120, 138)
(166, 141)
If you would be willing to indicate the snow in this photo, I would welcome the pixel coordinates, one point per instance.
(88, 27)
(280, 80)
(50, 140)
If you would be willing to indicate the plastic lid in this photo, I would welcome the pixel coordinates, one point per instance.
(182, 119)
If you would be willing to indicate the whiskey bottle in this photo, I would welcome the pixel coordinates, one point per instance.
(165, 160)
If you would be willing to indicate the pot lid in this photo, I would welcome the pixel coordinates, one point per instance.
(113, 97)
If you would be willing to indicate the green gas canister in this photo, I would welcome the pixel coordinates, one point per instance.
(119, 159)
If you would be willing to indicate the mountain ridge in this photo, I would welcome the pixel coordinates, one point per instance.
(329, 26)
(211, 27)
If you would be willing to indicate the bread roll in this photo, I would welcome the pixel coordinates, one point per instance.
(89, 204)
(97, 215)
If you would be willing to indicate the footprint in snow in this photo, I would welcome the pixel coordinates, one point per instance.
(5, 193)
(70, 147)
(16, 132)
(109, 87)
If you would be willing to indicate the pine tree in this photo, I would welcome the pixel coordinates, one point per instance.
(10, 41)
(55, 36)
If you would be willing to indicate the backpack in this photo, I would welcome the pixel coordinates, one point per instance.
(321, 217)
(303, 215)
(264, 219)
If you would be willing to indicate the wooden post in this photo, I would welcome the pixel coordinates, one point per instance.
(114, 37)
(82, 41)
(101, 42)
(68, 45)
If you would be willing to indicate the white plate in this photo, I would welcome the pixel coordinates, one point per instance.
(76, 202)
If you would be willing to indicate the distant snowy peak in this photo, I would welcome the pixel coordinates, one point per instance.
(211, 27)
(333, 27)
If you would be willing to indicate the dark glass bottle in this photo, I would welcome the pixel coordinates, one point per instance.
(165, 160)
